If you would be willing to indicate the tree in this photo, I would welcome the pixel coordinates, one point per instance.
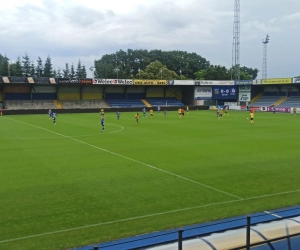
(83, 71)
(251, 72)
(32, 70)
(66, 71)
(48, 69)
(79, 70)
(4, 66)
(16, 68)
(156, 70)
(26, 65)
(218, 72)
(39, 68)
(59, 74)
(129, 63)
(213, 72)
(72, 72)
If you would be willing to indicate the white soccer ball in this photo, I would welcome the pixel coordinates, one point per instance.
(247, 118)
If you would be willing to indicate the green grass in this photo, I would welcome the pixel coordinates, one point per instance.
(50, 181)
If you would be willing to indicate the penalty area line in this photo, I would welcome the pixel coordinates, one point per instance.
(146, 216)
(130, 159)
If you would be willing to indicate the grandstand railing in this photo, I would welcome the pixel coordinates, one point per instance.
(254, 224)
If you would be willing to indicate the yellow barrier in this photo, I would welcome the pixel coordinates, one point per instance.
(92, 96)
(256, 97)
(281, 100)
(146, 103)
(58, 104)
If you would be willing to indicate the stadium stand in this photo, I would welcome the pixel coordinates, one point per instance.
(92, 93)
(266, 101)
(292, 101)
(119, 100)
(92, 96)
(95, 104)
(136, 96)
(44, 96)
(84, 104)
(168, 101)
(68, 96)
(34, 104)
(125, 103)
(17, 93)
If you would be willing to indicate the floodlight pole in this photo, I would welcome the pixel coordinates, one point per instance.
(235, 72)
(265, 47)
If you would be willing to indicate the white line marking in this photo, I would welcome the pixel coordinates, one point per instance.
(73, 136)
(275, 215)
(130, 159)
(146, 216)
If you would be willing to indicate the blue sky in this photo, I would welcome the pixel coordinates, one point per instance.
(69, 30)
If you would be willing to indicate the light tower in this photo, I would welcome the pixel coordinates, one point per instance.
(235, 75)
(265, 46)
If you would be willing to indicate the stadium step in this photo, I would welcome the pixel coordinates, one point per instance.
(58, 104)
(281, 100)
(146, 103)
(256, 98)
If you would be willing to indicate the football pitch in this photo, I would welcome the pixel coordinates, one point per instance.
(69, 184)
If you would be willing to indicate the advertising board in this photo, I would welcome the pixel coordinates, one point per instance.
(213, 82)
(202, 93)
(228, 93)
(181, 82)
(113, 81)
(277, 81)
(245, 97)
(150, 82)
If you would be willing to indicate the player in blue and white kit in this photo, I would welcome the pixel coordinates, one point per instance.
(50, 113)
(165, 113)
(118, 115)
(103, 122)
(158, 109)
(54, 115)
(144, 113)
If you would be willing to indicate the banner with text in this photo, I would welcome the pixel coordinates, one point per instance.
(243, 82)
(68, 80)
(213, 82)
(113, 81)
(86, 81)
(296, 80)
(150, 82)
(244, 96)
(202, 93)
(244, 89)
(228, 93)
(278, 81)
(283, 110)
(180, 82)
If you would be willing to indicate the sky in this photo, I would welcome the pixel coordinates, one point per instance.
(69, 30)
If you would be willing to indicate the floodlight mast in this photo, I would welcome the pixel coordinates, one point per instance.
(265, 46)
(235, 74)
